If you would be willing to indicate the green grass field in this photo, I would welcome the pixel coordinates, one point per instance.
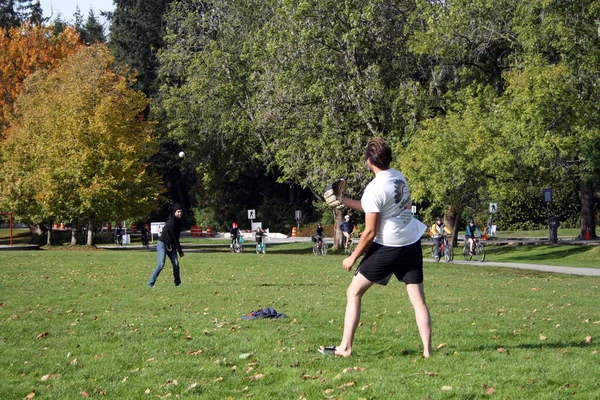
(80, 324)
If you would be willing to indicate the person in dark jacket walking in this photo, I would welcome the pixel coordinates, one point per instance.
(168, 245)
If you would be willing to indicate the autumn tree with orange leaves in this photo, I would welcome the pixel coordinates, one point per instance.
(77, 146)
(24, 50)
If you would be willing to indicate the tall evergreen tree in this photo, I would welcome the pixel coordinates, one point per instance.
(93, 31)
(136, 36)
(8, 14)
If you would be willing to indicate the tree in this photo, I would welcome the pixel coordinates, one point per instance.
(9, 16)
(448, 160)
(24, 50)
(136, 35)
(93, 30)
(77, 144)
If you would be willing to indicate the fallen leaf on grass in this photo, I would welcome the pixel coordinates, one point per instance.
(193, 385)
(256, 377)
(30, 395)
(75, 361)
(346, 370)
(594, 352)
(430, 373)
(195, 352)
(245, 355)
(490, 391)
(446, 388)
(441, 345)
(42, 335)
(84, 394)
(147, 391)
(347, 384)
(588, 339)
(542, 337)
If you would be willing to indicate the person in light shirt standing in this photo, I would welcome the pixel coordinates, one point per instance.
(391, 242)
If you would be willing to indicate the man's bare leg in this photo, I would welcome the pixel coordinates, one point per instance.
(416, 295)
(354, 293)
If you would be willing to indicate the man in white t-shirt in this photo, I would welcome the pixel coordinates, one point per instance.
(391, 241)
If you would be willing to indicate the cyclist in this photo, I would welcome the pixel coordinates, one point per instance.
(319, 235)
(437, 231)
(260, 237)
(346, 227)
(145, 236)
(470, 234)
(118, 234)
(235, 234)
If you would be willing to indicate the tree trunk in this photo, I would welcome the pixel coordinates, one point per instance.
(74, 230)
(90, 232)
(337, 234)
(452, 219)
(49, 237)
(588, 219)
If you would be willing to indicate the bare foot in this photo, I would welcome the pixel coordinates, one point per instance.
(334, 350)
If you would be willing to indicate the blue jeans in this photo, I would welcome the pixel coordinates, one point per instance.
(162, 252)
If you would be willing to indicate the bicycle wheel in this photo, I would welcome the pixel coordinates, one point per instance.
(349, 248)
(264, 249)
(324, 249)
(236, 248)
(480, 252)
(433, 250)
(316, 249)
(449, 253)
(466, 253)
(258, 249)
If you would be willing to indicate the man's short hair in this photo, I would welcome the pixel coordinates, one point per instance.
(379, 153)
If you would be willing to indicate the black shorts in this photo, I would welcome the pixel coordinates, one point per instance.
(380, 262)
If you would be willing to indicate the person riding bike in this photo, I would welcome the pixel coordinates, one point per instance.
(235, 234)
(145, 236)
(470, 234)
(437, 231)
(319, 235)
(346, 227)
(260, 237)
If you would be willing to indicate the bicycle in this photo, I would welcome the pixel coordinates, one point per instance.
(479, 250)
(261, 247)
(445, 248)
(349, 245)
(320, 250)
(237, 245)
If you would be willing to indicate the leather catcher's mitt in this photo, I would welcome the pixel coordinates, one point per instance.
(334, 192)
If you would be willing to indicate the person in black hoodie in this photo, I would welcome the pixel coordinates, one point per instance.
(168, 245)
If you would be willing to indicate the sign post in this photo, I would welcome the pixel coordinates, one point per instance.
(298, 218)
(251, 216)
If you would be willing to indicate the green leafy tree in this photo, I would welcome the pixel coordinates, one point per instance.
(76, 147)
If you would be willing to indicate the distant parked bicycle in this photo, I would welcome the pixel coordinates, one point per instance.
(478, 251)
(445, 248)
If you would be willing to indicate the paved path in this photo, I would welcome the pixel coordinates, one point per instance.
(535, 267)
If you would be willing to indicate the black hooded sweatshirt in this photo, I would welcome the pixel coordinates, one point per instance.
(171, 230)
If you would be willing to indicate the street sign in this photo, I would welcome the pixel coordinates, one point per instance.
(493, 208)
(548, 195)
(298, 215)
(251, 214)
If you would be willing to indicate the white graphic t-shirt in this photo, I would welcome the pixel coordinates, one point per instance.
(388, 195)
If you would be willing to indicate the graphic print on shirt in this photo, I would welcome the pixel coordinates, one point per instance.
(403, 200)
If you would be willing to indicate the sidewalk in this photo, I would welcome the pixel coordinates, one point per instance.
(535, 267)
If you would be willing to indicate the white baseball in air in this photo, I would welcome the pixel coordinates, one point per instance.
(181, 154)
